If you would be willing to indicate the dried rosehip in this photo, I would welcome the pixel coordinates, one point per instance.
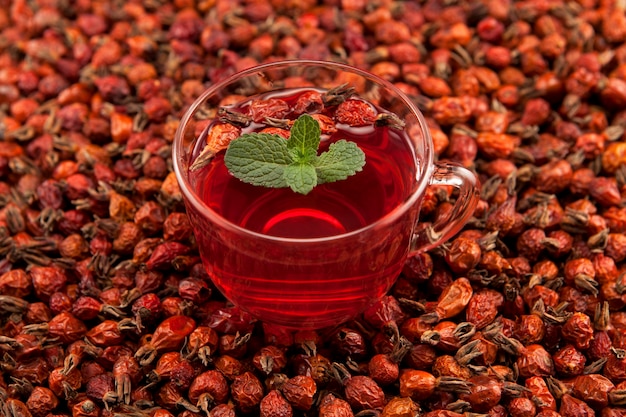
(247, 392)
(169, 396)
(177, 227)
(275, 405)
(208, 389)
(449, 366)
(165, 253)
(169, 335)
(47, 280)
(421, 385)
(400, 407)
(578, 330)
(540, 393)
(384, 368)
(534, 360)
(530, 243)
(529, 329)
(127, 373)
(63, 326)
(553, 177)
(147, 309)
(483, 307)
(269, 359)
(235, 345)
(463, 255)
(349, 342)
(615, 367)
(452, 300)
(41, 401)
(593, 389)
(15, 283)
(106, 333)
(355, 112)
(522, 407)
(224, 410)
(299, 391)
(331, 406)
(101, 389)
(85, 408)
(484, 393)
(568, 361)
(363, 393)
(571, 407)
(274, 108)
(384, 312)
(203, 342)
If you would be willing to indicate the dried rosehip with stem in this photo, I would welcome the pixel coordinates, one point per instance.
(101, 388)
(64, 326)
(88, 308)
(313, 364)
(421, 385)
(208, 389)
(486, 392)
(170, 396)
(384, 368)
(202, 342)
(146, 310)
(360, 391)
(164, 366)
(78, 351)
(126, 372)
(449, 336)
(269, 359)
(235, 345)
(169, 335)
(452, 301)
(384, 313)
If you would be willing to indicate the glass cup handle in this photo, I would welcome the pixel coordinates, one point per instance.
(428, 236)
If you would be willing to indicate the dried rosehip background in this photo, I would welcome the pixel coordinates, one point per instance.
(106, 310)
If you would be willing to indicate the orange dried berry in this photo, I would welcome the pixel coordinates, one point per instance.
(121, 127)
(355, 112)
(450, 110)
(496, 145)
(273, 107)
(614, 156)
(578, 330)
(554, 176)
(434, 87)
(218, 138)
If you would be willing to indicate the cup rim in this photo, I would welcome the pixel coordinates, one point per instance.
(190, 197)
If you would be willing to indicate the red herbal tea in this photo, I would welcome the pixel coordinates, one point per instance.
(330, 209)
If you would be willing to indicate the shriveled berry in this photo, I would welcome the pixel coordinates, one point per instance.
(354, 112)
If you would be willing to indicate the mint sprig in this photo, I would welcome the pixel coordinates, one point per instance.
(269, 160)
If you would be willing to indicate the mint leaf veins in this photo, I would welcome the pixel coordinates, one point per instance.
(271, 161)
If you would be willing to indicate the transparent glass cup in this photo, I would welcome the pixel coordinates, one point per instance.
(322, 281)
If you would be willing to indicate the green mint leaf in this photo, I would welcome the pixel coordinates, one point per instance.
(310, 155)
(342, 159)
(301, 178)
(271, 161)
(259, 159)
(305, 135)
